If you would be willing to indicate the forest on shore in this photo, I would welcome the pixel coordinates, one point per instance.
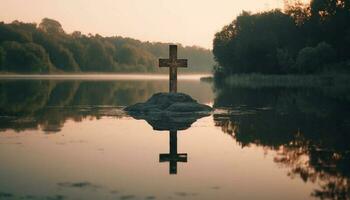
(311, 38)
(47, 48)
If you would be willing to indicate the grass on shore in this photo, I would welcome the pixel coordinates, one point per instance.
(288, 81)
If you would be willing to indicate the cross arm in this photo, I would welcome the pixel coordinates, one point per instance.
(182, 157)
(171, 63)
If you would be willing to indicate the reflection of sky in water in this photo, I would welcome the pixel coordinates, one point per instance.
(274, 144)
(119, 157)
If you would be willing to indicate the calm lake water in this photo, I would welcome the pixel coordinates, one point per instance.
(68, 138)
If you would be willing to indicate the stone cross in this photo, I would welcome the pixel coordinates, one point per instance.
(173, 157)
(173, 63)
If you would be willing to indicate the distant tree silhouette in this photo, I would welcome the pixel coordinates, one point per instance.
(28, 57)
(51, 26)
(76, 52)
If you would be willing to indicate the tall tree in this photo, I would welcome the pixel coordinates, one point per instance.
(51, 26)
(251, 42)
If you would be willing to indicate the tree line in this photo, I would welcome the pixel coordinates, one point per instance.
(47, 48)
(302, 39)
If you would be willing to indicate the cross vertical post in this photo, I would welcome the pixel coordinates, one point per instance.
(173, 63)
(173, 69)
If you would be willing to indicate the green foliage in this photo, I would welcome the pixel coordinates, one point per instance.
(60, 56)
(2, 57)
(131, 56)
(251, 42)
(305, 38)
(51, 26)
(28, 57)
(313, 59)
(100, 55)
(15, 31)
(285, 59)
(87, 53)
(127, 55)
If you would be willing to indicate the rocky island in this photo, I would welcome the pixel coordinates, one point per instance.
(169, 111)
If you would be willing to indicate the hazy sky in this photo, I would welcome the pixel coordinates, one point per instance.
(190, 22)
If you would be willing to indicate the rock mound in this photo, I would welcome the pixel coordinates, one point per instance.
(169, 102)
(169, 111)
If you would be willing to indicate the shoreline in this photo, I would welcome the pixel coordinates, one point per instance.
(91, 76)
(287, 81)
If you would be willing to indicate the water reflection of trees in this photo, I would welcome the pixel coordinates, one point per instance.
(309, 129)
(28, 105)
(48, 104)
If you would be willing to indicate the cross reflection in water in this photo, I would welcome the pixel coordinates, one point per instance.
(173, 124)
(173, 157)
